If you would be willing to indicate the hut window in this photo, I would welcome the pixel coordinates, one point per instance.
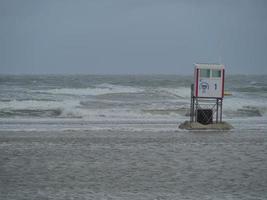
(205, 73)
(216, 73)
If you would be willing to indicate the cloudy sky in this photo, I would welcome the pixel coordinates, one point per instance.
(131, 36)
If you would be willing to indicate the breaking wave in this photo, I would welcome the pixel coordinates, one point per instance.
(36, 108)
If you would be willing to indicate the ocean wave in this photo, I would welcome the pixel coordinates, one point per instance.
(5, 100)
(242, 106)
(250, 111)
(253, 89)
(94, 91)
(22, 104)
(6, 113)
(180, 111)
(103, 104)
(246, 111)
(36, 108)
(129, 107)
(28, 99)
(180, 92)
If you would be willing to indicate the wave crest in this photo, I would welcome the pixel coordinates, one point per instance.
(5, 113)
(94, 91)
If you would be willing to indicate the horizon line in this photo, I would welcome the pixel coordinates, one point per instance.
(116, 74)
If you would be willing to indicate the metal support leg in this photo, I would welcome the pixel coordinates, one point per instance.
(195, 110)
(217, 109)
(221, 110)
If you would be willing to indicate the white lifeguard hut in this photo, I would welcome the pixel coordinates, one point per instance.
(207, 93)
(209, 80)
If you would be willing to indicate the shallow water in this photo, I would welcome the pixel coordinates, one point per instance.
(92, 97)
(117, 137)
(133, 165)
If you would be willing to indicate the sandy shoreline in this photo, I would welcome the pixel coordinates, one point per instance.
(132, 165)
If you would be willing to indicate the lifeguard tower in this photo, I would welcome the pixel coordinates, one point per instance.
(207, 93)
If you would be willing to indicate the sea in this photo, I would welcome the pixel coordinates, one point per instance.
(117, 137)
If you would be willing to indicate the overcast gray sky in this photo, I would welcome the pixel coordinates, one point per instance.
(132, 36)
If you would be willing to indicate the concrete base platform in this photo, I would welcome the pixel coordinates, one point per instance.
(197, 126)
